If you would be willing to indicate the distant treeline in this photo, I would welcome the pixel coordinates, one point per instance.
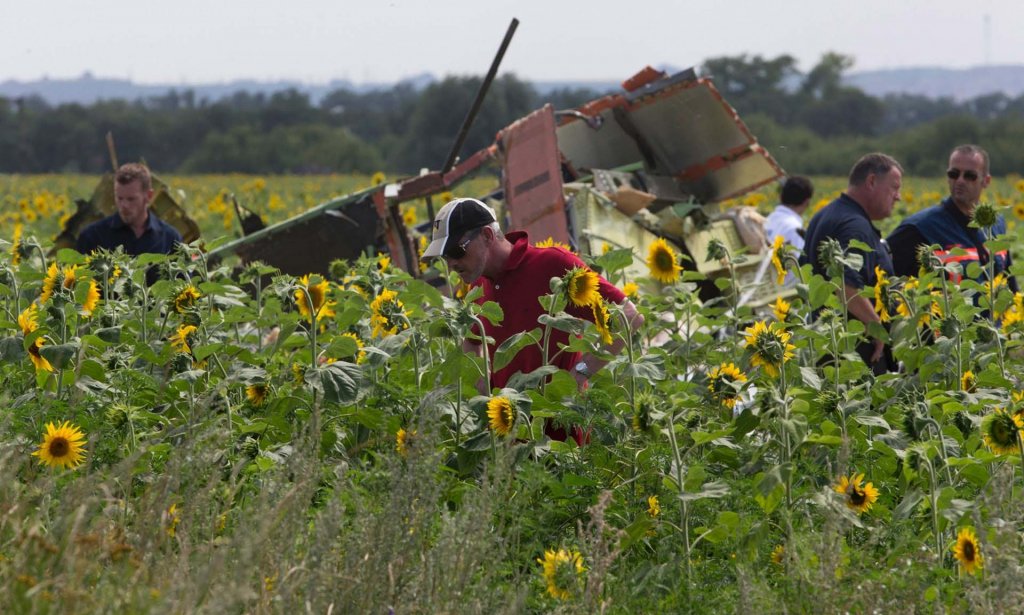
(811, 122)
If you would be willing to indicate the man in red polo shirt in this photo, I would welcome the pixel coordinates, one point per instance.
(514, 274)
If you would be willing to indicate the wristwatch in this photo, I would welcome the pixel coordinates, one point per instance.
(582, 368)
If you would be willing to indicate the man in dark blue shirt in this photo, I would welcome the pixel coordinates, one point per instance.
(873, 189)
(134, 227)
(947, 224)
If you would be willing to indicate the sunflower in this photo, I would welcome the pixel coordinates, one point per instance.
(402, 441)
(409, 217)
(61, 446)
(56, 279)
(661, 261)
(881, 296)
(723, 382)
(778, 554)
(781, 309)
(298, 373)
(378, 178)
(16, 245)
(186, 298)
(581, 285)
(182, 338)
(858, 498)
(968, 382)
(322, 308)
(257, 393)
(28, 320)
(1015, 314)
(551, 243)
(998, 282)
(653, 506)
(388, 315)
(1018, 210)
(999, 431)
(92, 298)
(778, 252)
(967, 551)
(602, 321)
(903, 309)
(383, 262)
(630, 289)
(605, 247)
(771, 346)
(172, 517)
(359, 353)
(37, 358)
(502, 415)
(562, 572)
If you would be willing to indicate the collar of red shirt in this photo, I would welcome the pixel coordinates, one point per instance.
(520, 242)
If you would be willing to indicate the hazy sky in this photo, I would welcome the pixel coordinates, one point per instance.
(204, 41)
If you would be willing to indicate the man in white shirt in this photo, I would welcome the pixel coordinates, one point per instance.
(787, 220)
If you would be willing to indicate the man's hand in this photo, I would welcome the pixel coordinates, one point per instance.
(877, 354)
(863, 311)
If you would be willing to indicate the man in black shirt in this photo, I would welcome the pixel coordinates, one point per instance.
(947, 224)
(133, 226)
(874, 187)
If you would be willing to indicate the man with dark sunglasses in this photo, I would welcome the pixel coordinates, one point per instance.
(515, 274)
(947, 225)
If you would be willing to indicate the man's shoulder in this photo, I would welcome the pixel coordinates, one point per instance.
(102, 223)
(551, 255)
(96, 231)
(927, 214)
(783, 216)
(166, 227)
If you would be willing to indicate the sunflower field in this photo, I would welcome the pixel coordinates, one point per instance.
(238, 440)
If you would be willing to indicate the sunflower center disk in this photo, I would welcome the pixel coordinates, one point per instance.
(59, 447)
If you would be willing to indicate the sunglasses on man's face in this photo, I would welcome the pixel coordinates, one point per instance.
(458, 250)
(954, 174)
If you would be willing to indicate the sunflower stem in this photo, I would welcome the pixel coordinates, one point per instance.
(486, 351)
(259, 310)
(942, 449)
(544, 343)
(312, 326)
(627, 337)
(785, 433)
(1020, 451)
(934, 507)
(683, 510)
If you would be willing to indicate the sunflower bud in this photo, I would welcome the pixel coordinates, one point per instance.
(716, 251)
(338, 269)
(181, 362)
(985, 214)
(192, 318)
(642, 417)
(926, 259)
(950, 327)
(250, 447)
(911, 423)
(963, 422)
(828, 400)
(985, 335)
(118, 415)
(829, 253)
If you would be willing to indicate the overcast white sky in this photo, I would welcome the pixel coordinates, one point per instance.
(206, 41)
